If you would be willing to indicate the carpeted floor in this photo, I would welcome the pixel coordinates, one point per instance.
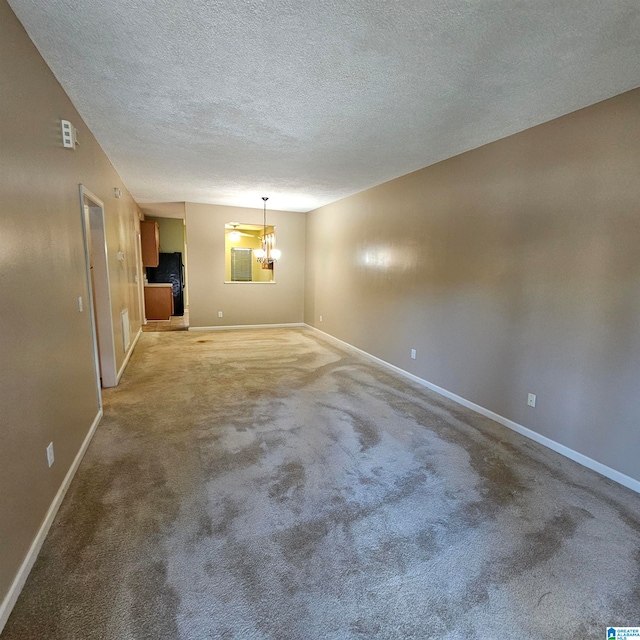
(269, 485)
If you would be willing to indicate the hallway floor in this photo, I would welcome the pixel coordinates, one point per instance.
(175, 323)
(267, 484)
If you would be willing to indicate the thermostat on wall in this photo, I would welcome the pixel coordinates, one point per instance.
(69, 135)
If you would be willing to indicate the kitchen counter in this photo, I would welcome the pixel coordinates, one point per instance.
(158, 301)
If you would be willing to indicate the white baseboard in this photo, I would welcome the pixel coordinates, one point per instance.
(249, 326)
(126, 360)
(585, 461)
(16, 587)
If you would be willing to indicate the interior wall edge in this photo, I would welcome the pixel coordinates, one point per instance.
(571, 454)
(21, 576)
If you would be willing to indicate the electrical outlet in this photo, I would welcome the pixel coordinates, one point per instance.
(80, 307)
(219, 314)
(413, 354)
(531, 400)
(320, 318)
(50, 456)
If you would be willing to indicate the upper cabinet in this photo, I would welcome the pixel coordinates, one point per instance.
(150, 240)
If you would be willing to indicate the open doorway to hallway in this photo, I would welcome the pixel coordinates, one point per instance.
(170, 266)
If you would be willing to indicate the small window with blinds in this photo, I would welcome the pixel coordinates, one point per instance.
(241, 264)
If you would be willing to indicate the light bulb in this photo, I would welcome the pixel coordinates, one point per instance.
(234, 236)
(275, 254)
(259, 253)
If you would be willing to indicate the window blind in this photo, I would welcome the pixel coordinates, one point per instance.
(241, 264)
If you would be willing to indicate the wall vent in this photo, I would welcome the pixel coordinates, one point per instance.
(126, 330)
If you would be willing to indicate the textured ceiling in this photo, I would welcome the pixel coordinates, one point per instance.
(307, 102)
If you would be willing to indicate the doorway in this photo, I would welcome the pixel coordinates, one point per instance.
(95, 245)
(140, 279)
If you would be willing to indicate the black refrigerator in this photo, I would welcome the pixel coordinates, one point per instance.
(170, 269)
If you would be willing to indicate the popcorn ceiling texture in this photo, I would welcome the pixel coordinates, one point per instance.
(268, 485)
(308, 102)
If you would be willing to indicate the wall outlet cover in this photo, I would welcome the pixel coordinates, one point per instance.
(531, 400)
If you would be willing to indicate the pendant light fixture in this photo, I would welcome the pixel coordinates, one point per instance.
(267, 255)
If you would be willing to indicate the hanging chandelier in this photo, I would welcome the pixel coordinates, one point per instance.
(267, 254)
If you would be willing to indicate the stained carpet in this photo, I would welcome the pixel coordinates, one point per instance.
(270, 485)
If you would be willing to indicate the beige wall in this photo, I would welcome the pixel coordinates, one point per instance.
(47, 380)
(243, 303)
(513, 268)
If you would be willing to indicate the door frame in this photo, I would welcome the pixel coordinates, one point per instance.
(140, 271)
(104, 351)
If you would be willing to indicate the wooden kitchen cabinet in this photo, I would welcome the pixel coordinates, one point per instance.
(158, 301)
(150, 241)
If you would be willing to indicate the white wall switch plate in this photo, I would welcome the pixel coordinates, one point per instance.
(413, 354)
(320, 318)
(50, 456)
(80, 307)
(531, 400)
(219, 314)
